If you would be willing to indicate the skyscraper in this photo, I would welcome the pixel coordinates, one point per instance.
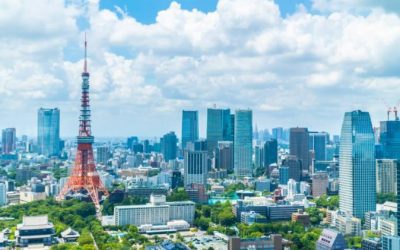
(102, 154)
(243, 143)
(270, 152)
(195, 167)
(9, 140)
(390, 139)
(298, 145)
(224, 156)
(218, 127)
(190, 127)
(357, 189)
(386, 173)
(48, 131)
(317, 143)
(168, 146)
(295, 167)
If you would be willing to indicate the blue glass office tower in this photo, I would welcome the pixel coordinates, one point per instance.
(318, 143)
(219, 127)
(357, 191)
(243, 147)
(390, 139)
(49, 132)
(168, 146)
(190, 127)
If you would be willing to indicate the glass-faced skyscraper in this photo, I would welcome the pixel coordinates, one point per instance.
(243, 143)
(190, 127)
(390, 139)
(218, 127)
(49, 131)
(357, 190)
(8, 140)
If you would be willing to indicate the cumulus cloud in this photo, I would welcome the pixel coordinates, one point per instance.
(304, 69)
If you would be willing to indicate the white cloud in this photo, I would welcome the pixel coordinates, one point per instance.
(304, 69)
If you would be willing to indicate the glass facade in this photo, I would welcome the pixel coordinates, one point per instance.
(219, 127)
(243, 143)
(390, 139)
(357, 189)
(49, 131)
(190, 127)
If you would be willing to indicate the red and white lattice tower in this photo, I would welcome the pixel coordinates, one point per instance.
(84, 177)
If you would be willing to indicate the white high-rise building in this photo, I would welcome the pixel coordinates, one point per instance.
(195, 167)
(157, 212)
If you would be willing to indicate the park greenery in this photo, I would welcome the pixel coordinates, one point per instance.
(76, 214)
(382, 198)
(178, 194)
(330, 202)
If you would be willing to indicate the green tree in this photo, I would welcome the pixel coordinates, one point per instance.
(85, 238)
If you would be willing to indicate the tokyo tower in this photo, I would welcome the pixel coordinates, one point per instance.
(84, 177)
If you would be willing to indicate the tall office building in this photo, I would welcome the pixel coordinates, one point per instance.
(386, 173)
(9, 140)
(195, 167)
(270, 152)
(190, 127)
(168, 146)
(298, 145)
(277, 133)
(357, 191)
(49, 131)
(317, 144)
(390, 139)
(224, 156)
(3, 194)
(218, 127)
(243, 146)
(294, 166)
(102, 154)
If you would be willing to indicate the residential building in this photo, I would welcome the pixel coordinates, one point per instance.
(331, 240)
(390, 242)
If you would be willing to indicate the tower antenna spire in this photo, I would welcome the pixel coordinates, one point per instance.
(85, 64)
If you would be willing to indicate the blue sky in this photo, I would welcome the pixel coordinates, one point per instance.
(292, 66)
(145, 11)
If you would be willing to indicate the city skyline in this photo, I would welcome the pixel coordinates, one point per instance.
(322, 67)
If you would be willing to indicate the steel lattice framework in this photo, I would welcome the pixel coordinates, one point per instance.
(84, 176)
